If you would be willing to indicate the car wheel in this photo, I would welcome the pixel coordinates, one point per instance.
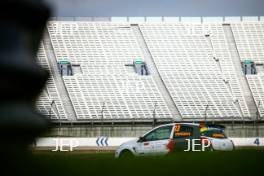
(126, 154)
(209, 149)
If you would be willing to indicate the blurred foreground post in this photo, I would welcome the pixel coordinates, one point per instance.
(21, 80)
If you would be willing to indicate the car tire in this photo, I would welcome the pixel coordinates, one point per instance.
(209, 149)
(234, 148)
(126, 154)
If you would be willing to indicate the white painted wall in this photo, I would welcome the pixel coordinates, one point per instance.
(83, 142)
(113, 142)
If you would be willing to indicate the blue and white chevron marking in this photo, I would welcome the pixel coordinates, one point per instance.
(102, 141)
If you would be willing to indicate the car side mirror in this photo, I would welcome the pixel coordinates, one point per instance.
(141, 139)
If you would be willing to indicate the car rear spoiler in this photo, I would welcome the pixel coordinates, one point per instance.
(203, 124)
(216, 126)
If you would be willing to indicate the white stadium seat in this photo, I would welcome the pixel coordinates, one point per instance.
(192, 57)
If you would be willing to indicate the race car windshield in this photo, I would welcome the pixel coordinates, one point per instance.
(215, 133)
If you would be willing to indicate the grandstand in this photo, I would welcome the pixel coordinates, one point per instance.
(139, 69)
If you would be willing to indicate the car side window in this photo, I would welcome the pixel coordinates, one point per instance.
(214, 134)
(159, 134)
(182, 131)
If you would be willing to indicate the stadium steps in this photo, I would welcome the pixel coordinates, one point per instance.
(59, 83)
(209, 41)
(155, 73)
(237, 63)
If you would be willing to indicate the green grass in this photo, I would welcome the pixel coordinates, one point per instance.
(241, 162)
(247, 162)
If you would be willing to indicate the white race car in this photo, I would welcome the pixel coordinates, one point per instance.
(168, 138)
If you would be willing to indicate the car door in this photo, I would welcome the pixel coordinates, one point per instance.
(163, 135)
(144, 146)
(155, 141)
(182, 136)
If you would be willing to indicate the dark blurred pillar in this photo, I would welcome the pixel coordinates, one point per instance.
(21, 26)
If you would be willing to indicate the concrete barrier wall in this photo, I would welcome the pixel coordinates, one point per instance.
(248, 142)
(114, 142)
(82, 142)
